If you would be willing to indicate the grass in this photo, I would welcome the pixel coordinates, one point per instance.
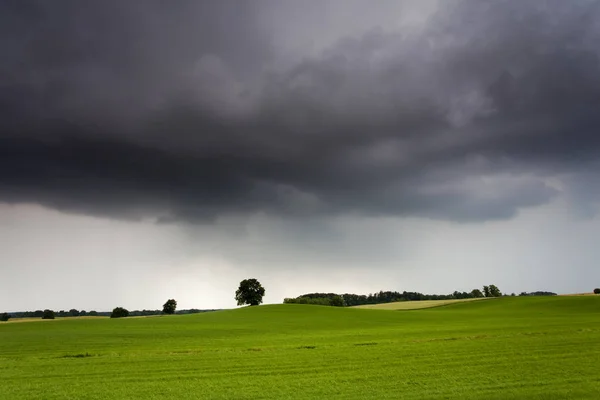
(414, 305)
(510, 348)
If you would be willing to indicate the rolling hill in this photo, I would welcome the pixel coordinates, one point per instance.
(508, 348)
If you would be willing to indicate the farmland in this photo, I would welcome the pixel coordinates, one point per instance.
(507, 348)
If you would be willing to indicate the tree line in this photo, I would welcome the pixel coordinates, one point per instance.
(351, 299)
(538, 293)
(51, 314)
(249, 292)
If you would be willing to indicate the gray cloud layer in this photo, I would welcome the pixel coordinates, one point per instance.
(192, 110)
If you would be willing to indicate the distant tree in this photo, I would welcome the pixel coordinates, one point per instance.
(48, 314)
(82, 313)
(476, 293)
(74, 312)
(513, 295)
(494, 291)
(93, 313)
(597, 291)
(119, 312)
(486, 291)
(170, 306)
(250, 292)
(4, 317)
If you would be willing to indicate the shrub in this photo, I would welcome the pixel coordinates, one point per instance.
(119, 312)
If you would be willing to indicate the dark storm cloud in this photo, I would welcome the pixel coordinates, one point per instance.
(177, 111)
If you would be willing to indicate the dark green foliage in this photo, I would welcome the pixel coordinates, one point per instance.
(74, 312)
(336, 301)
(144, 313)
(170, 306)
(597, 291)
(486, 291)
(538, 293)
(350, 299)
(48, 314)
(93, 313)
(462, 295)
(4, 317)
(119, 312)
(491, 291)
(250, 292)
(494, 291)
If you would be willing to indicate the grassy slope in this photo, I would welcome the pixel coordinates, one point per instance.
(510, 348)
(413, 305)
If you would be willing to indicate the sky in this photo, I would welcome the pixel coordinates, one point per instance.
(153, 150)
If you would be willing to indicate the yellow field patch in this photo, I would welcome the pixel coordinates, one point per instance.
(413, 305)
(579, 294)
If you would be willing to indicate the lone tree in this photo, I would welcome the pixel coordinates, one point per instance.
(4, 317)
(250, 292)
(119, 312)
(170, 306)
(48, 314)
(597, 291)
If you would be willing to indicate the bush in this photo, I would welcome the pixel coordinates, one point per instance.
(119, 312)
(4, 317)
(48, 314)
(597, 291)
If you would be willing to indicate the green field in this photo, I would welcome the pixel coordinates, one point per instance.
(509, 348)
(415, 305)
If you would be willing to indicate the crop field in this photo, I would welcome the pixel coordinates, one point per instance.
(415, 305)
(508, 348)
